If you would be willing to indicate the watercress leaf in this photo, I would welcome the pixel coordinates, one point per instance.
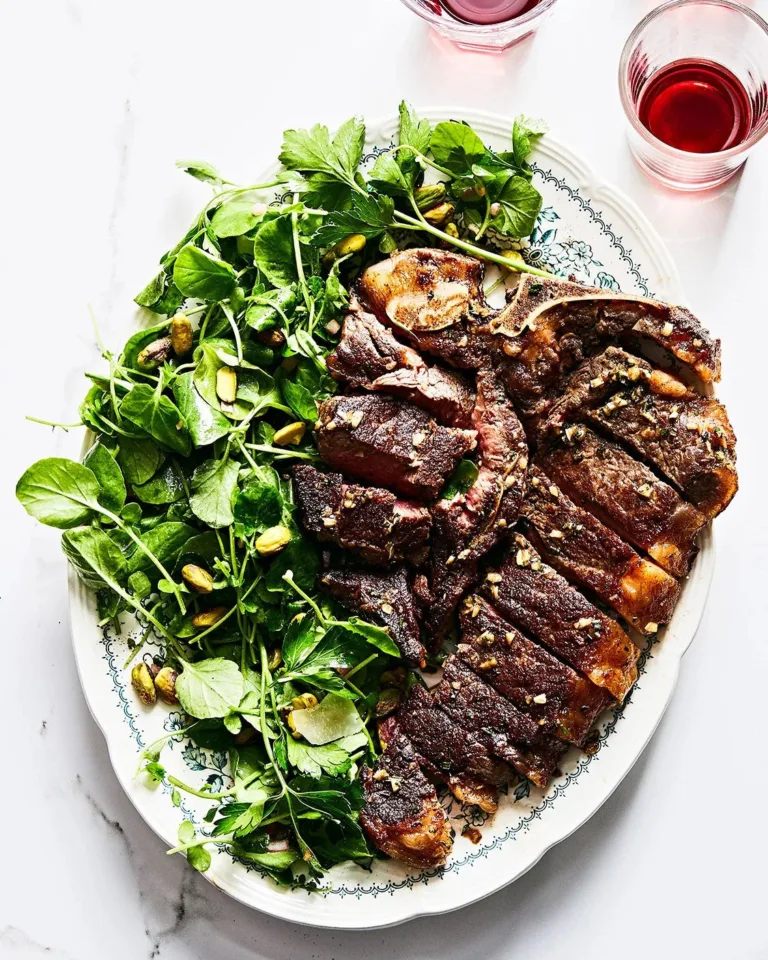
(199, 858)
(462, 478)
(102, 461)
(299, 399)
(376, 636)
(387, 176)
(136, 343)
(258, 506)
(279, 860)
(159, 416)
(95, 556)
(214, 484)
(413, 131)
(235, 216)
(211, 688)
(456, 146)
(258, 389)
(165, 487)
(198, 274)
(200, 170)
(330, 758)
(301, 557)
(152, 292)
(266, 312)
(525, 133)
(336, 648)
(520, 205)
(165, 541)
(140, 584)
(274, 254)
(170, 301)
(59, 492)
(139, 459)
(332, 718)
(186, 831)
(205, 424)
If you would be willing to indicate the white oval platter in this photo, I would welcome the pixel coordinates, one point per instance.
(589, 229)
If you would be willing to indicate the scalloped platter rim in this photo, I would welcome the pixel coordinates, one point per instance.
(589, 229)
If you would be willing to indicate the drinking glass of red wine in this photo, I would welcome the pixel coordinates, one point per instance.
(694, 86)
(488, 25)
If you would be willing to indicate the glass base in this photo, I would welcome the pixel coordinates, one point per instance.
(684, 185)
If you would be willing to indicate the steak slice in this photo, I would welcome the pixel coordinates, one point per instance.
(603, 478)
(536, 599)
(390, 442)
(384, 598)
(447, 752)
(504, 730)
(370, 521)
(424, 289)
(469, 525)
(550, 692)
(370, 358)
(402, 815)
(584, 550)
(685, 436)
(551, 325)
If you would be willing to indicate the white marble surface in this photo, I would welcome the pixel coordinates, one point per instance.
(98, 100)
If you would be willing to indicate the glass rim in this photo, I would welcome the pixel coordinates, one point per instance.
(473, 30)
(629, 107)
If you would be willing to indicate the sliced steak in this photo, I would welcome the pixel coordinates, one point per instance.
(603, 478)
(550, 692)
(585, 551)
(685, 436)
(551, 325)
(370, 521)
(402, 814)
(469, 525)
(369, 357)
(504, 730)
(385, 599)
(390, 442)
(447, 752)
(537, 600)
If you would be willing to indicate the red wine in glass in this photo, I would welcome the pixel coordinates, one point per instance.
(696, 105)
(488, 11)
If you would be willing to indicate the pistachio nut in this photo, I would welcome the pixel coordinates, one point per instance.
(207, 618)
(196, 578)
(165, 684)
(351, 244)
(272, 338)
(226, 385)
(439, 214)
(142, 683)
(181, 334)
(304, 700)
(272, 541)
(289, 364)
(155, 354)
(291, 435)
(429, 196)
(451, 229)
(275, 658)
(514, 256)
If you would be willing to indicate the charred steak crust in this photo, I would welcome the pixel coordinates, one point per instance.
(551, 325)
(537, 600)
(505, 731)
(369, 357)
(584, 550)
(390, 442)
(369, 521)
(626, 495)
(686, 437)
(402, 814)
(386, 599)
(553, 694)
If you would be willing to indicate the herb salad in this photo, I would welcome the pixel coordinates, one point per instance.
(182, 514)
